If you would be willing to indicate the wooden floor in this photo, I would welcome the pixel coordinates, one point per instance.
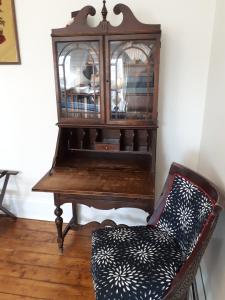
(31, 268)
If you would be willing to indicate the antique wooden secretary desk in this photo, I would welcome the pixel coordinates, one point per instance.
(107, 89)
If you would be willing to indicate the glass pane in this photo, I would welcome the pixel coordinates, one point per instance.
(78, 64)
(132, 79)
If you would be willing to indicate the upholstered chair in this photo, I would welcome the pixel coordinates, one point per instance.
(160, 260)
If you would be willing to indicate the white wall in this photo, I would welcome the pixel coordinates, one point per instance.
(212, 154)
(28, 110)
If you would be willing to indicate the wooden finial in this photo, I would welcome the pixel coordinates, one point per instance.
(104, 11)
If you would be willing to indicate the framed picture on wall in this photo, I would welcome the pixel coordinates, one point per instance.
(9, 47)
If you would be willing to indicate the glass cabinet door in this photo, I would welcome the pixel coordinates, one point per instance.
(79, 80)
(131, 79)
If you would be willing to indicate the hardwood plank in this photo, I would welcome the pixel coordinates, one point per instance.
(29, 224)
(39, 236)
(40, 289)
(31, 268)
(31, 235)
(42, 226)
(65, 276)
(4, 296)
(43, 259)
(83, 246)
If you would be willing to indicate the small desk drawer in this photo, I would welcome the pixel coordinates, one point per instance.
(107, 147)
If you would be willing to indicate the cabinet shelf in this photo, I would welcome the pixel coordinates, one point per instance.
(81, 94)
(137, 141)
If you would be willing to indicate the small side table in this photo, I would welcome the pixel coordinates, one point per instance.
(6, 174)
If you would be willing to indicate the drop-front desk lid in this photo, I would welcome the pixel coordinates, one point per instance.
(122, 177)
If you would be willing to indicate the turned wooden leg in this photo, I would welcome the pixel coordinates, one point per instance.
(74, 208)
(59, 224)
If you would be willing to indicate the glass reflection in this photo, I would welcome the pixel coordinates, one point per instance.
(132, 79)
(78, 65)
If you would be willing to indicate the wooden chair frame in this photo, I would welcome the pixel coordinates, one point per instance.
(185, 277)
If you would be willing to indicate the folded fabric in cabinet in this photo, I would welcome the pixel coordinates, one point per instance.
(83, 104)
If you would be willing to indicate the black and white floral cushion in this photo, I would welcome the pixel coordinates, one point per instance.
(187, 209)
(133, 263)
(140, 262)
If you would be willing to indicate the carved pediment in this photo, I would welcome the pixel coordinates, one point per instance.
(129, 24)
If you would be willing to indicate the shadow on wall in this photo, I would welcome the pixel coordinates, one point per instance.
(170, 136)
(162, 166)
(213, 262)
(164, 161)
